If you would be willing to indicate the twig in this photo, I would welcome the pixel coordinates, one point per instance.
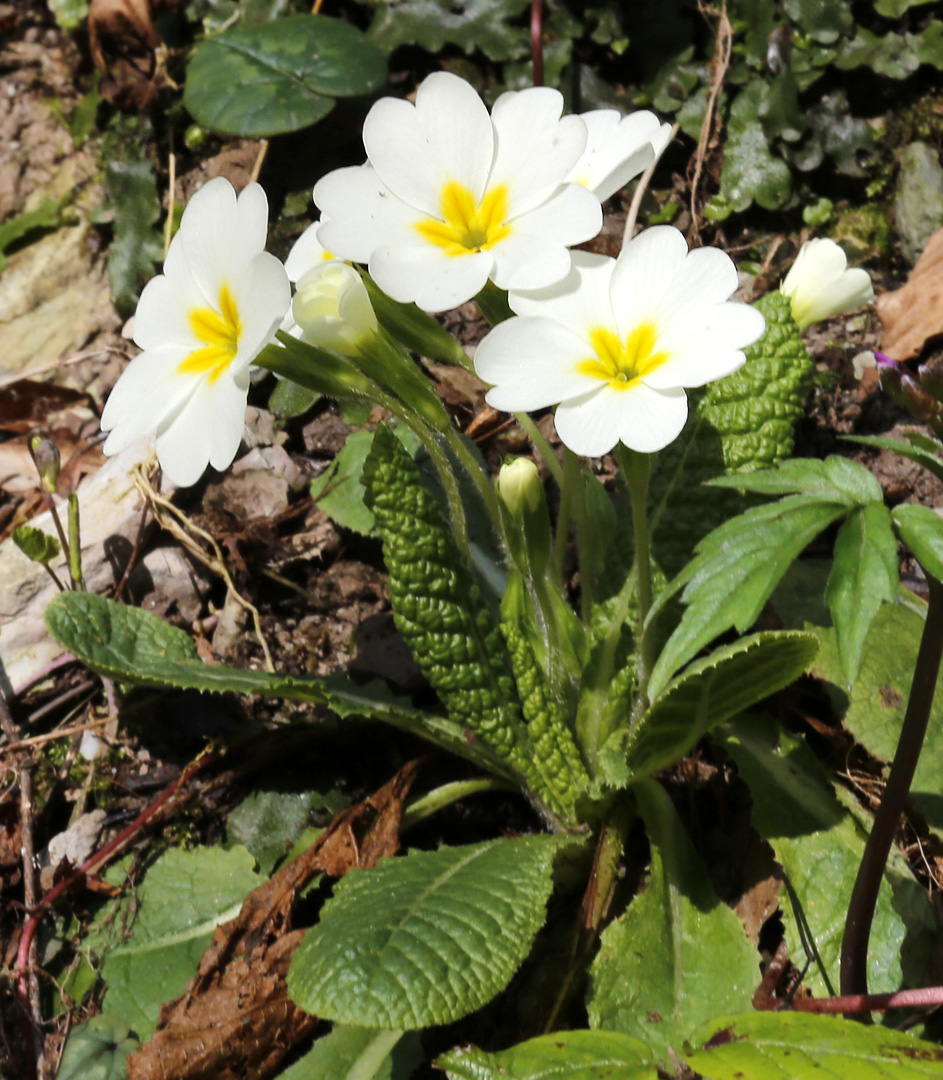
(171, 184)
(854, 952)
(723, 49)
(61, 699)
(641, 187)
(537, 40)
(59, 733)
(260, 157)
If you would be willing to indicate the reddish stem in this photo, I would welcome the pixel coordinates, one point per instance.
(537, 40)
(858, 1003)
(94, 860)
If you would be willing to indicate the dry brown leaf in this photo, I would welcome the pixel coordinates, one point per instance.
(122, 40)
(914, 314)
(235, 1018)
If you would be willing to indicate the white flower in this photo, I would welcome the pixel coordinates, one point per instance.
(201, 324)
(616, 342)
(332, 309)
(451, 196)
(618, 148)
(306, 253)
(820, 285)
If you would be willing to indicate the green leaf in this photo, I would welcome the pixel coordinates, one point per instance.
(863, 577)
(289, 400)
(822, 20)
(425, 939)
(873, 710)
(184, 896)
(45, 216)
(893, 9)
(739, 424)
(798, 1046)
(485, 25)
(921, 529)
(136, 647)
(819, 842)
(35, 544)
(675, 936)
(356, 1053)
(565, 1055)
(267, 823)
(70, 14)
(893, 55)
(97, 1050)
(339, 490)
(713, 690)
(440, 610)
(279, 76)
(925, 451)
(736, 569)
(836, 479)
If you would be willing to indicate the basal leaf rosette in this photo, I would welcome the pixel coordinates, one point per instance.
(615, 344)
(452, 196)
(201, 323)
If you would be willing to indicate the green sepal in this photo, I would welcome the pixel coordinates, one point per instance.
(414, 328)
(439, 608)
(322, 370)
(383, 361)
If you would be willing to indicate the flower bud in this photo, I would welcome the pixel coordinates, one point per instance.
(332, 309)
(45, 455)
(526, 516)
(820, 285)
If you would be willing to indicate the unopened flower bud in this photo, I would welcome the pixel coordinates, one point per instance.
(528, 521)
(332, 309)
(45, 455)
(820, 285)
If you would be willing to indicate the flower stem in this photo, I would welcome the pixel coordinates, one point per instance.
(586, 539)
(541, 445)
(637, 470)
(443, 796)
(854, 953)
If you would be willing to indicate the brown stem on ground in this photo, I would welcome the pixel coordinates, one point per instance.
(854, 953)
(537, 40)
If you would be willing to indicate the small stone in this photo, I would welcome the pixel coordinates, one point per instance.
(919, 201)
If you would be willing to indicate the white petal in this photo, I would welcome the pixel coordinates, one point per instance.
(819, 284)
(644, 275)
(307, 252)
(532, 363)
(150, 390)
(580, 301)
(619, 147)
(589, 425)
(535, 148)
(446, 136)
(363, 215)
(262, 298)
(161, 315)
(707, 346)
(644, 419)
(423, 274)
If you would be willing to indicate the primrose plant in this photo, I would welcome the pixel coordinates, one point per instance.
(571, 678)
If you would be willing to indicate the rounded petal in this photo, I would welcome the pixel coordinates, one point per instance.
(262, 297)
(535, 253)
(161, 315)
(535, 147)
(532, 362)
(707, 346)
(580, 301)
(446, 136)
(362, 214)
(619, 147)
(819, 284)
(150, 390)
(307, 252)
(644, 276)
(643, 419)
(427, 276)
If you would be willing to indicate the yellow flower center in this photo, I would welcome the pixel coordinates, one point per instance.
(622, 364)
(468, 226)
(219, 331)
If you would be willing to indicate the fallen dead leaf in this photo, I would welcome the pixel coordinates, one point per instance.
(914, 314)
(123, 40)
(236, 1018)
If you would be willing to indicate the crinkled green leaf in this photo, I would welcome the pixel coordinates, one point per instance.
(279, 76)
(97, 1050)
(739, 424)
(873, 710)
(184, 896)
(819, 841)
(921, 529)
(564, 1055)
(736, 569)
(864, 576)
(425, 939)
(358, 1053)
(339, 491)
(675, 937)
(800, 1046)
(35, 544)
(713, 690)
(135, 646)
(835, 479)
(492, 26)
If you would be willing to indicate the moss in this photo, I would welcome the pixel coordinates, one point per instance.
(864, 231)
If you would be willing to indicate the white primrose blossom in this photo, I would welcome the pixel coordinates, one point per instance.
(616, 342)
(820, 285)
(452, 196)
(331, 309)
(201, 323)
(618, 148)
